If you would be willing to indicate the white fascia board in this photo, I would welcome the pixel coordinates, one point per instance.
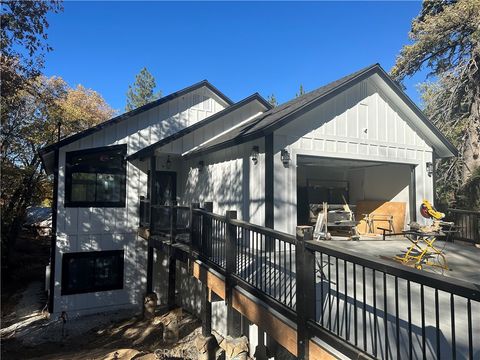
(244, 122)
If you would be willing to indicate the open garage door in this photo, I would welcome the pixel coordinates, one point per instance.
(368, 187)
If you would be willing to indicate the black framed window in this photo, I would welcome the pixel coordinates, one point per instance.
(91, 271)
(96, 177)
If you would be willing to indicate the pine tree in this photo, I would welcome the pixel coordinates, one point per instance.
(142, 90)
(272, 99)
(445, 40)
(301, 91)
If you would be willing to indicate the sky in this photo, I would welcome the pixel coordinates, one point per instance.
(241, 48)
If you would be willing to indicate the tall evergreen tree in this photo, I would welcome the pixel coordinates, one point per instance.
(142, 90)
(272, 99)
(446, 40)
(301, 91)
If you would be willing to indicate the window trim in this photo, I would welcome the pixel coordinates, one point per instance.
(68, 179)
(91, 254)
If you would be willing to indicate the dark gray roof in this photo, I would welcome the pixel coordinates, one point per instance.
(89, 131)
(286, 112)
(147, 151)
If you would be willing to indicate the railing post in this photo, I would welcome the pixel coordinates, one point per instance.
(173, 222)
(234, 318)
(206, 229)
(305, 292)
(230, 253)
(194, 227)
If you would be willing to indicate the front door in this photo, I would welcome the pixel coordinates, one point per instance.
(165, 187)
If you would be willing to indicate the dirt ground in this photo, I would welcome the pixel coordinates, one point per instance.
(27, 332)
(129, 338)
(31, 256)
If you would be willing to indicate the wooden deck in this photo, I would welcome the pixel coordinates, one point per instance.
(463, 259)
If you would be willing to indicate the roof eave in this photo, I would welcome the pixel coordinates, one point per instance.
(134, 112)
(149, 150)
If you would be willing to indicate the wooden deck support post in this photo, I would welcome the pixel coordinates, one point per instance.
(172, 271)
(234, 318)
(305, 280)
(149, 268)
(206, 311)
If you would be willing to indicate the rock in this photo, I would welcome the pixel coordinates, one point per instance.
(207, 348)
(121, 354)
(170, 332)
(149, 305)
(236, 348)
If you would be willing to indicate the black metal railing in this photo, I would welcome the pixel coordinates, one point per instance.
(467, 223)
(358, 304)
(391, 311)
(265, 259)
(171, 221)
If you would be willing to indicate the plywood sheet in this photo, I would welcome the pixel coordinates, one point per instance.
(396, 209)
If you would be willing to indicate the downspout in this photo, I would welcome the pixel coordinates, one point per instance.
(53, 241)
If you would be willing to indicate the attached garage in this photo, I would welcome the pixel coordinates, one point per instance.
(363, 185)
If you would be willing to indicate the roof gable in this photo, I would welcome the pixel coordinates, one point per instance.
(149, 150)
(289, 111)
(127, 115)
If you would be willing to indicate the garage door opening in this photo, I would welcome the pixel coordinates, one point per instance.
(377, 193)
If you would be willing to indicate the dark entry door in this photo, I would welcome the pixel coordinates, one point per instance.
(165, 187)
(165, 194)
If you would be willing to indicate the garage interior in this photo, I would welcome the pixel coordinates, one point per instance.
(377, 193)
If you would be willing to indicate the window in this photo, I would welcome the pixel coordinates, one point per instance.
(96, 177)
(91, 271)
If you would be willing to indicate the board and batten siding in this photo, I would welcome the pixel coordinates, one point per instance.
(92, 228)
(230, 180)
(360, 123)
(203, 134)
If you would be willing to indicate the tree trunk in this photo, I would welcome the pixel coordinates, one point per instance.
(17, 207)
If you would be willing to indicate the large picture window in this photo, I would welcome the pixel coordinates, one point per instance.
(96, 177)
(92, 271)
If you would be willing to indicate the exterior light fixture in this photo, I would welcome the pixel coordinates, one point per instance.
(201, 165)
(430, 168)
(254, 155)
(168, 164)
(285, 157)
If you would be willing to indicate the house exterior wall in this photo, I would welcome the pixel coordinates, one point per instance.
(207, 132)
(230, 180)
(92, 228)
(359, 123)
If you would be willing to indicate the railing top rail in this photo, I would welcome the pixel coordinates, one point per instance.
(265, 231)
(212, 215)
(444, 283)
(462, 211)
(158, 206)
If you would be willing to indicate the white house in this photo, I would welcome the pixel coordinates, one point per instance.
(360, 135)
